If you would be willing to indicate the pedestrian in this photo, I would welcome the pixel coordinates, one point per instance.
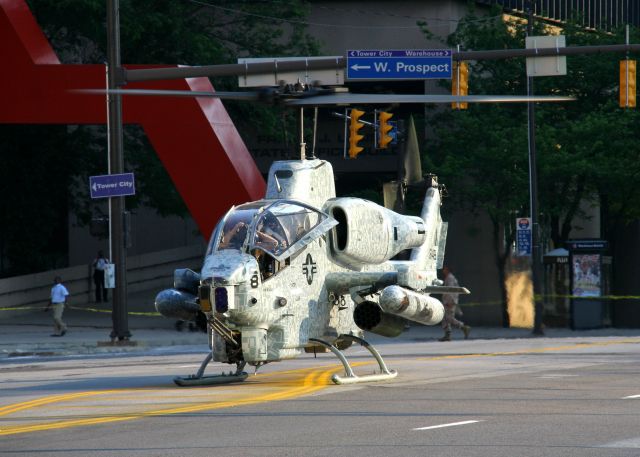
(99, 266)
(450, 302)
(59, 294)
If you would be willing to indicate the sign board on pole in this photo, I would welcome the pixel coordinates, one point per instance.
(374, 64)
(546, 66)
(110, 276)
(523, 236)
(112, 185)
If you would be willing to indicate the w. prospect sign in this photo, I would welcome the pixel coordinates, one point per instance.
(374, 64)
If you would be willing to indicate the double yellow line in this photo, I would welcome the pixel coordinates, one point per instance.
(316, 380)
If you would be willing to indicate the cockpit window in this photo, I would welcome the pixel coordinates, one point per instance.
(235, 228)
(279, 229)
(282, 224)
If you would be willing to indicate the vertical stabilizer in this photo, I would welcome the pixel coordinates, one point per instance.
(431, 252)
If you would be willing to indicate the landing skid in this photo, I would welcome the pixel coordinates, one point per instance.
(199, 379)
(351, 377)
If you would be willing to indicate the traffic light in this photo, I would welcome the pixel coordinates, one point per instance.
(354, 136)
(383, 129)
(627, 83)
(460, 83)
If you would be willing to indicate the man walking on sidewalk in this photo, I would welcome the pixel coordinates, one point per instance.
(450, 302)
(59, 295)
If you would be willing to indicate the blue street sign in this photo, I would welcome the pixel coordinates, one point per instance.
(523, 236)
(112, 185)
(399, 64)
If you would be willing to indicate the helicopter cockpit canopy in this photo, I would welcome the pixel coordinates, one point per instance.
(280, 228)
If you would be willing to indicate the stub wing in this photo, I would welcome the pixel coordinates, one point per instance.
(446, 290)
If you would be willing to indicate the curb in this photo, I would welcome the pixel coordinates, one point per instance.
(17, 350)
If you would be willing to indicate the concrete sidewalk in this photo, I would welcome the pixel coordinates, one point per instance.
(26, 331)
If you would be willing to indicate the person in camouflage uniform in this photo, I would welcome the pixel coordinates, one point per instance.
(450, 302)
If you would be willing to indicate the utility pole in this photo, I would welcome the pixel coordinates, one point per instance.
(533, 195)
(116, 165)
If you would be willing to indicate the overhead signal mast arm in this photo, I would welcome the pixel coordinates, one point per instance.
(254, 68)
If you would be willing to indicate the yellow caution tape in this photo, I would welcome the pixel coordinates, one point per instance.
(96, 310)
(554, 296)
(93, 310)
(602, 297)
(466, 304)
(18, 308)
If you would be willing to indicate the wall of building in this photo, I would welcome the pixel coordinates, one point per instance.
(152, 271)
(150, 232)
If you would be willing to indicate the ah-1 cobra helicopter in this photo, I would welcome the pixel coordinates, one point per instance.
(303, 270)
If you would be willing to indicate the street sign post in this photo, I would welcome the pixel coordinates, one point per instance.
(117, 185)
(399, 64)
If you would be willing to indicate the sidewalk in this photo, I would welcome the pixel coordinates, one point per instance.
(26, 332)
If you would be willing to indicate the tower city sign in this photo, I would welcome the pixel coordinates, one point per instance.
(116, 185)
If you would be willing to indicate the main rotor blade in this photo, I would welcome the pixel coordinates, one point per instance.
(236, 69)
(174, 93)
(337, 98)
(385, 99)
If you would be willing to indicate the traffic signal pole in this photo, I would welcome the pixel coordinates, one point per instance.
(536, 257)
(116, 165)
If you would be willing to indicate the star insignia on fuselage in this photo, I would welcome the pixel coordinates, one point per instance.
(309, 269)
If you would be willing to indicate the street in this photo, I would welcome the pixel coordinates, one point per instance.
(570, 396)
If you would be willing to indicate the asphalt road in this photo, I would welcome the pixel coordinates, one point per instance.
(516, 397)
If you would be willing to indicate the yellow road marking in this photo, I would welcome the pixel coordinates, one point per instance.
(9, 409)
(313, 381)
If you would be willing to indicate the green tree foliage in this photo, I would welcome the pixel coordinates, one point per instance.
(586, 149)
(38, 168)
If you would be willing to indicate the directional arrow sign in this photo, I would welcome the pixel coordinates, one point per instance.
(112, 185)
(399, 64)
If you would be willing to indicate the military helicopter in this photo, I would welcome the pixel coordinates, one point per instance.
(302, 270)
